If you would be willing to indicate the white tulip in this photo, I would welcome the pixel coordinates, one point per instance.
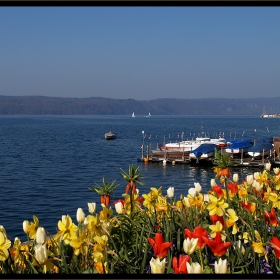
(268, 166)
(25, 226)
(257, 175)
(213, 183)
(241, 247)
(250, 179)
(257, 185)
(192, 192)
(40, 235)
(195, 267)
(235, 177)
(119, 207)
(198, 187)
(41, 254)
(170, 192)
(206, 198)
(137, 191)
(189, 245)
(276, 170)
(221, 266)
(80, 215)
(91, 207)
(157, 266)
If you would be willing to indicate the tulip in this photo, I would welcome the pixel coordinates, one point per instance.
(80, 215)
(235, 177)
(137, 191)
(91, 207)
(257, 185)
(275, 244)
(198, 232)
(25, 226)
(119, 207)
(276, 170)
(189, 245)
(41, 254)
(40, 235)
(170, 192)
(250, 179)
(195, 267)
(213, 183)
(160, 248)
(179, 264)
(206, 198)
(192, 192)
(241, 247)
(268, 166)
(221, 266)
(198, 187)
(157, 266)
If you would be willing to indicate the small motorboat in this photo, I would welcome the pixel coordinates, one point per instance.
(204, 151)
(262, 148)
(110, 135)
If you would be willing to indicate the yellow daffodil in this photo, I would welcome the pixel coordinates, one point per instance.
(31, 228)
(218, 227)
(216, 206)
(79, 244)
(99, 266)
(231, 221)
(94, 225)
(67, 229)
(258, 246)
(161, 204)
(151, 198)
(16, 253)
(105, 214)
(5, 244)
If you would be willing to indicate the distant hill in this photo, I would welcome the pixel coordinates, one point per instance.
(42, 105)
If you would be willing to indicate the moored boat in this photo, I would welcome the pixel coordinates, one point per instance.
(204, 151)
(239, 146)
(262, 148)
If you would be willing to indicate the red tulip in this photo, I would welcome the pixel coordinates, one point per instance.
(197, 233)
(216, 245)
(233, 187)
(275, 244)
(180, 264)
(248, 206)
(160, 248)
(218, 190)
(270, 218)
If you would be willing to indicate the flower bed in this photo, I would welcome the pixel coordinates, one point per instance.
(234, 228)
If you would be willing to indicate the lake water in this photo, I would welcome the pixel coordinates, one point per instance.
(48, 163)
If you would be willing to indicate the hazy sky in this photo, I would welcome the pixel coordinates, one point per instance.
(141, 53)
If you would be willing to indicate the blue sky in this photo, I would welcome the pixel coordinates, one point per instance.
(141, 53)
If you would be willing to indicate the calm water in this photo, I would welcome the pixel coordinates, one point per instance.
(48, 163)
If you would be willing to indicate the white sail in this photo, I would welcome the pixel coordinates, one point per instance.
(133, 115)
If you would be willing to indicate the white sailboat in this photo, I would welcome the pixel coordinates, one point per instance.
(133, 115)
(149, 115)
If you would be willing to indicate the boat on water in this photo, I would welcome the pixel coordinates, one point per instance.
(239, 146)
(262, 148)
(190, 145)
(133, 115)
(110, 135)
(149, 115)
(204, 151)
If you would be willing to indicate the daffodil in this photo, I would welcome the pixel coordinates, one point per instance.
(67, 229)
(231, 221)
(105, 214)
(31, 228)
(218, 227)
(5, 244)
(161, 204)
(258, 246)
(216, 206)
(151, 198)
(79, 244)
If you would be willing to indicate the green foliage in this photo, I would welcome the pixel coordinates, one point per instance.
(107, 188)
